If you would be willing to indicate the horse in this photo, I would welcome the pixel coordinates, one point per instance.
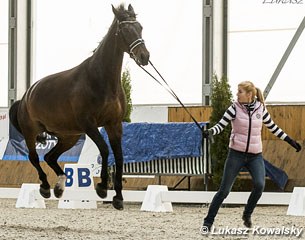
(79, 100)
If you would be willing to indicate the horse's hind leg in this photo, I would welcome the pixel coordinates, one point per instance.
(115, 137)
(34, 159)
(63, 144)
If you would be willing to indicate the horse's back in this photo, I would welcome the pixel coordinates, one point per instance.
(60, 101)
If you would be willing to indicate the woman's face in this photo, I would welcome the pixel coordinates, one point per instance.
(243, 96)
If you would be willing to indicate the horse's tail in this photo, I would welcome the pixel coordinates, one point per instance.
(14, 120)
(13, 115)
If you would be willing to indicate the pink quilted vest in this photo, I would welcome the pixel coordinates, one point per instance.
(246, 130)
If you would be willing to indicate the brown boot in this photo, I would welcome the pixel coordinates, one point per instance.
(206, 228)
(247, 221)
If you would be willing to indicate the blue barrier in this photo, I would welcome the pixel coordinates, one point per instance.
(16, 148)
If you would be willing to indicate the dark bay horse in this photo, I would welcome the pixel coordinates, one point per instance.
(79, 100)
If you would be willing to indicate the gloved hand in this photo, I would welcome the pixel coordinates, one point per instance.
(296, 145)
(293, 143)
(206, 134)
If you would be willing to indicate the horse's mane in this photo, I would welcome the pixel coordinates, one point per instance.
(124, 14)
(121, 7)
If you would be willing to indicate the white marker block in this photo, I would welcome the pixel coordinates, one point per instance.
(27, 197)
(297, 202)
(153, 200)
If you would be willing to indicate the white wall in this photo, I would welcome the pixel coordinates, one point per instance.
(149, 113)
(258, 37)
(3, 53)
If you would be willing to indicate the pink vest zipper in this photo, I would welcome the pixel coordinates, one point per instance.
(246, 129)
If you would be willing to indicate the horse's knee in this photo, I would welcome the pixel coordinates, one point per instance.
(47, 159)
(50, 159)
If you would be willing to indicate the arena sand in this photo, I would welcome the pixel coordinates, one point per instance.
(131, 223)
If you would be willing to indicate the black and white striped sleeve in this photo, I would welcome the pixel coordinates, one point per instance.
(267, 120)
(228, 116)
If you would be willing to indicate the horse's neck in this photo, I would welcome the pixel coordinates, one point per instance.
(106, 63)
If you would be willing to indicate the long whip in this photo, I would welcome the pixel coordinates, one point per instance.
(171, 91)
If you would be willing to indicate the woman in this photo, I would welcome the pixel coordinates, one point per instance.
(245, 149)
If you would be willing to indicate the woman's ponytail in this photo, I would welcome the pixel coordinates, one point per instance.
(260, 96)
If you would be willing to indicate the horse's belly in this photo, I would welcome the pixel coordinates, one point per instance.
(68, 129)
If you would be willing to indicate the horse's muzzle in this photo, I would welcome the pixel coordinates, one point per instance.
(144, 58)
(141, 55)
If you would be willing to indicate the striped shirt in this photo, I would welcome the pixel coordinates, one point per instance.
(230, 115)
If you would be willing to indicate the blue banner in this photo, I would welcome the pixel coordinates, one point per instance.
(16, 148)
(149, 141)
(140, 142)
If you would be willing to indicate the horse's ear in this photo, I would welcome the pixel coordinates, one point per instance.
(130, 9)
(115, 11)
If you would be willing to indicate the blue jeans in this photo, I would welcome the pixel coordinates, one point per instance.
(235, 161)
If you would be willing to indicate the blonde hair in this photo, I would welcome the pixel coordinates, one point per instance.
(256, 92)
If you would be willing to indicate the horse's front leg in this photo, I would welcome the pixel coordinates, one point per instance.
(94, 134)
(115, 139)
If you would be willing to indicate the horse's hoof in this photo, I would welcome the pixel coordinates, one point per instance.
(58, 191)
(101, 192)
(60, 186)
(117, 203)
(46, 193)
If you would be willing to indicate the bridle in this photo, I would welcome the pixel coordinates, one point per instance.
(132, 45)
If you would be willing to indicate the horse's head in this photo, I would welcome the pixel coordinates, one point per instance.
(130, 32)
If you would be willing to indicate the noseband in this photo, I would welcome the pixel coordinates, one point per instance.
(135, 43)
